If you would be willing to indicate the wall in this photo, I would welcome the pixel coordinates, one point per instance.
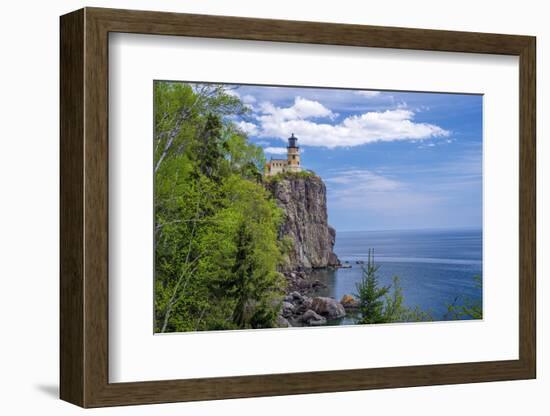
(29, 208)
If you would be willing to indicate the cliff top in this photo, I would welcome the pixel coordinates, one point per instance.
(291, 175)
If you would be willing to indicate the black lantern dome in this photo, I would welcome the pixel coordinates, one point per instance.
(292, 141)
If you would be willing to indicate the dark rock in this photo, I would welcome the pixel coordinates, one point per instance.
(296, 295)
(328, 307)
(282, 322)
(304, 284)
(313, 319)
(287, 309)
(307, 301)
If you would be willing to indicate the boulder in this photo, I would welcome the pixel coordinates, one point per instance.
(349, 302)
(303, 284)
(328, 307)
(313, 319)
(296, 296)
(287, 309)
(318, 283)
(282, 322)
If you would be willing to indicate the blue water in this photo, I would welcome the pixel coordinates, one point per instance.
(435, 267)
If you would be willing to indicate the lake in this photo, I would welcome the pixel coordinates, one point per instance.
(435, 267)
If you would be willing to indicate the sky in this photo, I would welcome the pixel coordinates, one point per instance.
(390, 160)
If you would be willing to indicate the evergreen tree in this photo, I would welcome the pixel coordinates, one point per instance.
(370, 295)
(384, 304)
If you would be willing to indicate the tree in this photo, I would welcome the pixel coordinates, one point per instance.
(180, 108)
(394, 308)
(370, 295)
(216, 248)
(469, 308)
(244, 253)
(384, 304)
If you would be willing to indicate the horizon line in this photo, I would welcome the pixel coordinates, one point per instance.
(469, 227)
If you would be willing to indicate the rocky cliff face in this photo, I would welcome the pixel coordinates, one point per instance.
(304, 200)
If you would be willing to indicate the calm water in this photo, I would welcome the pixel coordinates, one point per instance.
(434, 266)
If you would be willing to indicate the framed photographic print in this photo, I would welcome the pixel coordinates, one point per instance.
(256, 207)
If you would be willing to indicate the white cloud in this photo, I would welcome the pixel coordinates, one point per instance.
(301, 109)
(247, 128)
(369, 127)
(276, 150)
(389, 125)
(231, 91)
(249, 99)
(369, 94)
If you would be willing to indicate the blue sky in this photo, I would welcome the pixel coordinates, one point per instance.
(390, 160)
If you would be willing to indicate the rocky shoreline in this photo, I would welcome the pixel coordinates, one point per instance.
(300, 307)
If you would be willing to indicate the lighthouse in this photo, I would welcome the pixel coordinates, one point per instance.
(292, 162)
(293, 154)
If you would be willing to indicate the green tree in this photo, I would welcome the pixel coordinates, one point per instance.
(216, 247)
(466, 307)
(244, 254)
(384, 304)
(371, 296)
(180, 109)
(394, 308)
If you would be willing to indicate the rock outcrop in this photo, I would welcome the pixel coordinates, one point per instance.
(304, 201)
(349, 302)
(298, 309)
(328, 307)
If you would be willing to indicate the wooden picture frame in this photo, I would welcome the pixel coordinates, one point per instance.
(84, 207)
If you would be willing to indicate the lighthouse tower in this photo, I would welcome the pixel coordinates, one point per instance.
(293, 155)
(290, 164)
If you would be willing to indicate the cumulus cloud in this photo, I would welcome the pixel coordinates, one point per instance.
(247, 128)
(314, 125)
(300, 110)
(249, 99)
(355, 130)
(275, 150)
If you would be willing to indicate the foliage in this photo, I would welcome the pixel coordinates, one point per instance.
(383, 304)
(216, 248)
(291, 175)
(469, 308)
(370, 295)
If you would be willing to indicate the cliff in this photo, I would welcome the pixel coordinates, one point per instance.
(304, 200)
